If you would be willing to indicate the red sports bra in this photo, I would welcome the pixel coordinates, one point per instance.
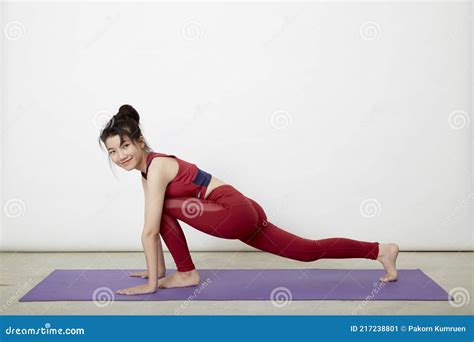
(189, 182)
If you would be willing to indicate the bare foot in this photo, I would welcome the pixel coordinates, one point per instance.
(388, 253)
(180, 279)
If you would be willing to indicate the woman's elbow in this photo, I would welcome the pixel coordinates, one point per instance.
(150, 233)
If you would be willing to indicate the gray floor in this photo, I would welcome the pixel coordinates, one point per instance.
(22, 271)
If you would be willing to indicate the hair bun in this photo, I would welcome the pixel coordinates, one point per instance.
(127, 110)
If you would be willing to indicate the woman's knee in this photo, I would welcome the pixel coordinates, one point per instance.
(262, 217)
(242, 221)
(168, 223)
(249, 219)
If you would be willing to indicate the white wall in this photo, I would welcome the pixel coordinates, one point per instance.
(311, 109)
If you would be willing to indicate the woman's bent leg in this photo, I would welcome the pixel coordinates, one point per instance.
(173, 236)
(226, 213)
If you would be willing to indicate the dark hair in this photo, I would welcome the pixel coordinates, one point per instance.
(125, 123)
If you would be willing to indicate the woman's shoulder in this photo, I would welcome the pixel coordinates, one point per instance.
(165, 164)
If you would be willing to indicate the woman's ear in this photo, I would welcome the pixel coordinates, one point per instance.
(141, 141)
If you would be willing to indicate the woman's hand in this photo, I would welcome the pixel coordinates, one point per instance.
(140, 289)
(144, 274)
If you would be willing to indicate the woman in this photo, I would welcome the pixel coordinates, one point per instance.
(178, 190)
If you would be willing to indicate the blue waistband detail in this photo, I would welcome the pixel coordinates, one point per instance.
(202, 178)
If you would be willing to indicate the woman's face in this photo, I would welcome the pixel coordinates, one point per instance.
(127, 156)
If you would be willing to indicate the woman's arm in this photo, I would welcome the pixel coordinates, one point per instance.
(161, 258)
(157, 181)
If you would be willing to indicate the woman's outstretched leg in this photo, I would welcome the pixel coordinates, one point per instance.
(227, 213)
(270, 238)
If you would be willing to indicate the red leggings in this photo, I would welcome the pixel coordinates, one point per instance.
(228, 214)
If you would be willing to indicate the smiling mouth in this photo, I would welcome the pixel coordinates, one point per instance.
(125, 163)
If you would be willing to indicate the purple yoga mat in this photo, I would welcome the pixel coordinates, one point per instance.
(242, 284)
